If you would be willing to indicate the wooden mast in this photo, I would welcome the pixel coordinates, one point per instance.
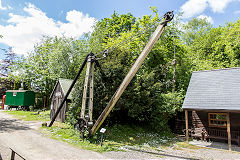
(90, 108)
(88, 88)
(84, 97)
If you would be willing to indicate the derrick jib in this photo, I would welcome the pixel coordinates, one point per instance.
(156, 35)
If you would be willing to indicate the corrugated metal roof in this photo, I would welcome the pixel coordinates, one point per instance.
(17, 91)
(65, 85)
(214, 90)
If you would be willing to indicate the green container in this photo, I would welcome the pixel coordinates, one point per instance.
(20, 98)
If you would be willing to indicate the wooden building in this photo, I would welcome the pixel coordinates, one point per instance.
(57, 96)
(212, 103)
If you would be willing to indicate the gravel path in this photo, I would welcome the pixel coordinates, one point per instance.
(23, 137)
(174, 153)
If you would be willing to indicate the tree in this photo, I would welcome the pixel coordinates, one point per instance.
(8, 61)
(149, 90)
(52, 59)
(212, 48)
(110, 28)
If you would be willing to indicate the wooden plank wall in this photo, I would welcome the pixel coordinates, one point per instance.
(179, 122)
(234, 121)
(55, 102)
(200, 119)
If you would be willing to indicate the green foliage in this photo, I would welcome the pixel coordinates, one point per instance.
(167, 105)
(67, 134)
(52, 59)
(114, 138)
(146, 95)
(149, 99)
(138, 136)
(214, 48)
(110, 28)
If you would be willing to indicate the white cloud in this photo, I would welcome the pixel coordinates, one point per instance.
(193, 8)
(218, 5)
(78, 24)
(22, 32)
(1, 7)
(208, 18)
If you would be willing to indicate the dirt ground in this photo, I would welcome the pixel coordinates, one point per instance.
(24, 138)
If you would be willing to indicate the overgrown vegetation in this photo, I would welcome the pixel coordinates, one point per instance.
(150, 92)
(149, 99)
(116, 138)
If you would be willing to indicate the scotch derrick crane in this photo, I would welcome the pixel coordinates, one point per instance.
(86, 121)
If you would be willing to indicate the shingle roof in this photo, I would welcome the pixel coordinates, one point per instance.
(214, 90)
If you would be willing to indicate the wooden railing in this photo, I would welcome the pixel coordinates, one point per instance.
(218, 133)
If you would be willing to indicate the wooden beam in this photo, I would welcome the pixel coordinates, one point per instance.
(128, 78)
(186, 121)
(229, 132)
(90, 108)
(84, 97)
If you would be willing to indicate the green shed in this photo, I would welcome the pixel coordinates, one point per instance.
(20, 98)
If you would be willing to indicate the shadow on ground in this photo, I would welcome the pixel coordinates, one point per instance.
(216, 144)
(10, 125)
(222, 145)
(162, 154)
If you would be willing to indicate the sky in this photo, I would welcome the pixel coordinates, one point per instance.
(23, 23)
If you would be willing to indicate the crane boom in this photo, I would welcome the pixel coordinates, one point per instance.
(156, 35)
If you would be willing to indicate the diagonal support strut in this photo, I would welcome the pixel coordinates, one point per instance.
(68, 92)
(156, 35)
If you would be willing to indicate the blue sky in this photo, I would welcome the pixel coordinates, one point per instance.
(24, 22)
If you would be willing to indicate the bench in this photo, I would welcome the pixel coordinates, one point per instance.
(13, 153)
(199, 133)
(210, 133)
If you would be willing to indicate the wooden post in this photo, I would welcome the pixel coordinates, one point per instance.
(229, 132)
(238, 138)
(186, 121)
(90, 109)
(13, 155)
(84, 97)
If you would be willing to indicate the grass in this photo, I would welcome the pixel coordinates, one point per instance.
(138, 136)
(115, 138)
(30, 116)
(66, 133)
(187, 145)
